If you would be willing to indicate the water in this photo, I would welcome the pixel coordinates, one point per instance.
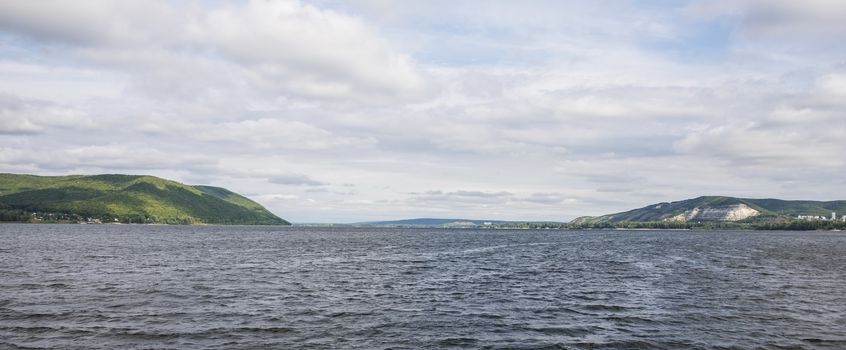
(180, 287)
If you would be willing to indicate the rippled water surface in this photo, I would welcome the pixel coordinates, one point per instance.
(179, 287)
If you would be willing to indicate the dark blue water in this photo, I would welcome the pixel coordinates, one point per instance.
(182, 287)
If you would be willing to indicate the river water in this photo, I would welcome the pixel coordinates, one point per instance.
(225, 287)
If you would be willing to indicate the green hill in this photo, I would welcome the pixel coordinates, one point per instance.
(125, 198)
(720, 209)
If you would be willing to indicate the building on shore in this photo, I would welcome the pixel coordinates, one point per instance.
(821, 218)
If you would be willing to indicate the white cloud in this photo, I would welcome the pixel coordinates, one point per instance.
(279, 134)
(276, 197)
(19, 115)
(542, 110)
(127, 157)
(810, 145)
(310, 51)
(819, 19)
(295, 180)
(831, 89)
(269, 47)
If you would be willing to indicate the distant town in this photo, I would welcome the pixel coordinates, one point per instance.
(820, 218)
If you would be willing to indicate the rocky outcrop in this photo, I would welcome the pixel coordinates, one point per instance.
(734, 212)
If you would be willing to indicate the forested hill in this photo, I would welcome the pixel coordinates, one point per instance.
(125, 198)
(723, 209)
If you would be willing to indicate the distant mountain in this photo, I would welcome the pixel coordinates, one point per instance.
(435, 222)
(125, 198)
(721, 209)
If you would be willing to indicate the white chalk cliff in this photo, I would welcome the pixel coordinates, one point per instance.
(734, 212)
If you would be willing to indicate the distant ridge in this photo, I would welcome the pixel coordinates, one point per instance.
(457, 223)
(721, 209)
(125, 198)
(430, 222)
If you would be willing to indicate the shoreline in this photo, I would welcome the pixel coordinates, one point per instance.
(343, 226)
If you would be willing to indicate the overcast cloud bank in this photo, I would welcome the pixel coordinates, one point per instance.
(371, 110)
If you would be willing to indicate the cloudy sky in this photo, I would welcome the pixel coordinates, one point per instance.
(344, 111)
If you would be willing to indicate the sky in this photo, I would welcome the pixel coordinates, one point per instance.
(349, 111)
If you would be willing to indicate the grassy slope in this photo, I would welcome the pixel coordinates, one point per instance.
(769, 208)
(158, 199)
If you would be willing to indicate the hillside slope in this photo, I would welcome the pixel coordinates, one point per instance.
(722, 209)
(130, 198)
